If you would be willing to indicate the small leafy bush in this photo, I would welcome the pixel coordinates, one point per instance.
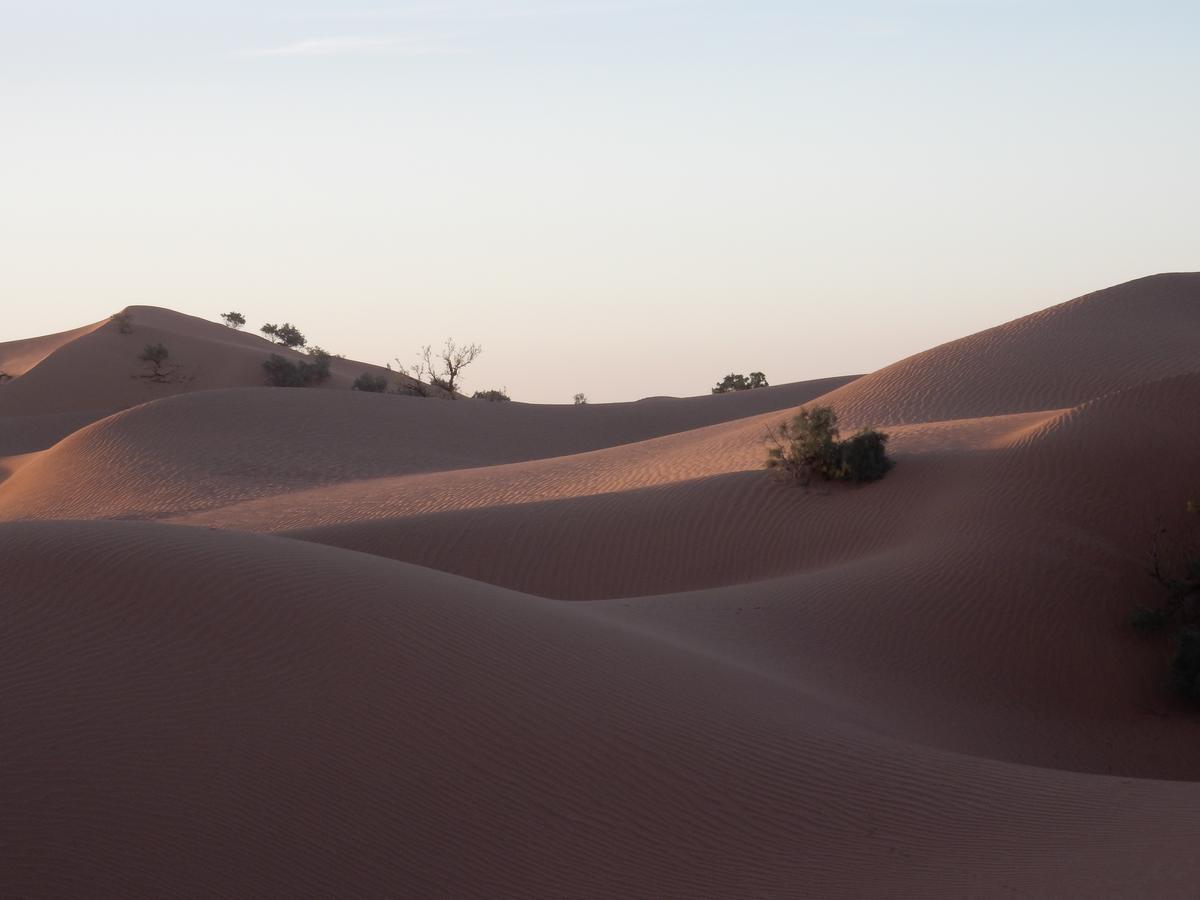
(371, 384)
(581, 400)
(494, 396)
(234, 320)
(155, 355)
(810, 447)
(734, 382)
(309, 372)
(123, 321)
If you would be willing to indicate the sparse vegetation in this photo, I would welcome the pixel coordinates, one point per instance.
(733, 382)
(234, 320)
(810, 447)
(5, 377)
(155, 355)
(123, 321)
(287, 334)
(581, 399)
(371, 384)
(440, 370)
(1179, 612)
(282, 372)
(494, 396)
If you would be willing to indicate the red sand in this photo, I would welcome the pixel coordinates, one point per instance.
(644, 667)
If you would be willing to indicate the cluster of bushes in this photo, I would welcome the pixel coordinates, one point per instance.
(1179, 615)
(287, 334)
(314, 370)
(734, 382)
(494, 396)
(810, 446)
(123, 321)
(371, 384)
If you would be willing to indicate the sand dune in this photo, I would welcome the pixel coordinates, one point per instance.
(1060, 357)
(239, 733)
(553, 651)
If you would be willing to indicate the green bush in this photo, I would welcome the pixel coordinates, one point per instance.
(287, 334)
(734, 382)
(1185, 664)
(371, 384)
(500, 396)
(309, 372)
(155, 355)
(810, 447)
(581, 400)
(234, 320)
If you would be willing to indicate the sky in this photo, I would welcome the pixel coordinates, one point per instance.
(626, 198)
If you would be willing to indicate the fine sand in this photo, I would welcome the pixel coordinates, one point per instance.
(314, 643)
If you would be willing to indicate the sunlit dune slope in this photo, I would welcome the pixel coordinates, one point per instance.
(1063, 356)
(211, 448)
(197, 713)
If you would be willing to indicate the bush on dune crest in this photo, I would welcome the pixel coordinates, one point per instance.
(735, 382)
(810, 447)
(368, 383)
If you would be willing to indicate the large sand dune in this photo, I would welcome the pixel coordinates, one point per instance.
(512, 650)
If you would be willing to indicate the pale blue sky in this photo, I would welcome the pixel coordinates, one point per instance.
(623, 197)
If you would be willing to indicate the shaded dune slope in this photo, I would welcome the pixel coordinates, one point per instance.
(234, 731)
(1060, 357)
(212, 448)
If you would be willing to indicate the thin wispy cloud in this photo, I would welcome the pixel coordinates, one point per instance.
(359, 45)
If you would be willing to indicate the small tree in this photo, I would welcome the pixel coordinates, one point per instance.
(287, 334)
(234, 320)
(809, 447)
(123, 321)
(371, 384)
(500, 396)
(155, 355)
(734, 382)
(441, 369)
(581, 400)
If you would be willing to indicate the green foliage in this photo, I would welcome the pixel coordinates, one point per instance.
(309, 372)
(123, 321)
(287, 334)
(155, 355)
(581, 400)
(371, 384)
(1147, 620)
(810, 447)
(1180, 611)
(234, 320)
(1185, 664)
(500, 396)
(734, 382)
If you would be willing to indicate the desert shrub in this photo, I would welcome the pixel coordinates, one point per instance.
(155, 355)
(371, 384)
(1185, 664)
(287, 334)
(494, 396)
(234, 320)
(123, 321)
(1179, 612)
(442, 368)
(734, 382)
(864, 456)
(810, 447)
(283, 372)
(581, 400)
